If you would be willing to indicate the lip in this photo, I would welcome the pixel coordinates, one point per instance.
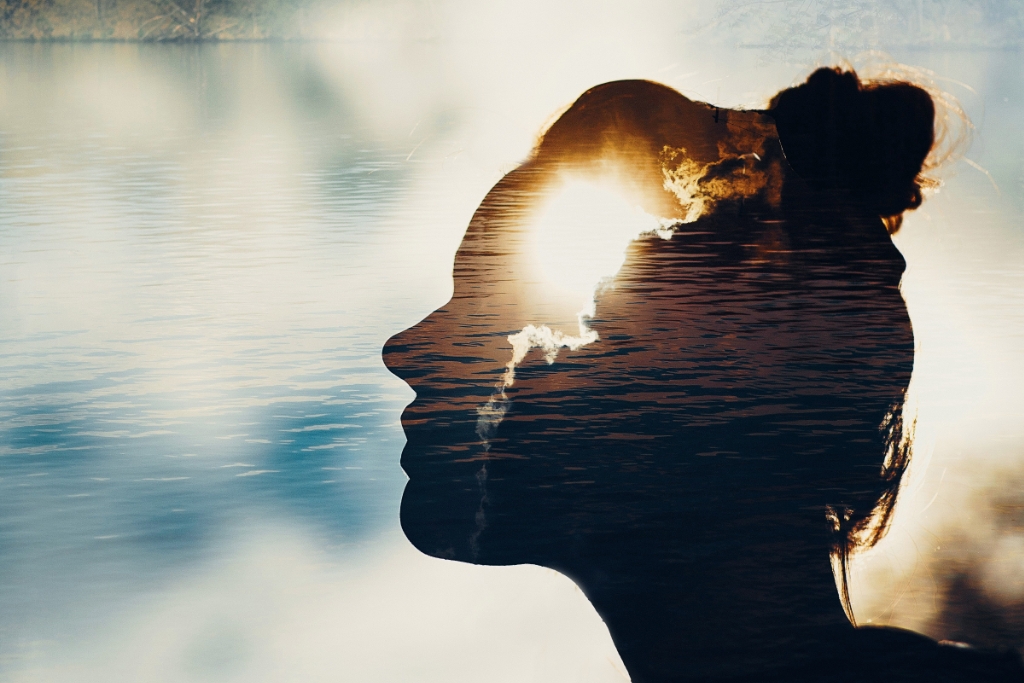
(436, 434)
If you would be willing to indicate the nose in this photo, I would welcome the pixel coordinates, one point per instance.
(413, 354)
(396, 353)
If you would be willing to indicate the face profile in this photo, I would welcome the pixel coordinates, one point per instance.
(673, 368)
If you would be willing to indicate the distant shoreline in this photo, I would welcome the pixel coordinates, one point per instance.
(935, 25)
(157, 21)
(169, 41)
(64, 40)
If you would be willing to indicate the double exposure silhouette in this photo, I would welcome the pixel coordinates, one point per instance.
(701, 443)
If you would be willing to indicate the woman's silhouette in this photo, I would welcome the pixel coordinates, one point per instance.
(727, 424)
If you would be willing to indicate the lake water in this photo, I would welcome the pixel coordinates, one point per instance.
(202, 251)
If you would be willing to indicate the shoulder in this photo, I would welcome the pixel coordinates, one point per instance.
(893, 655)
(908, 656)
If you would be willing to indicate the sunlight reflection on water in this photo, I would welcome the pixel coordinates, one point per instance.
(202, 253)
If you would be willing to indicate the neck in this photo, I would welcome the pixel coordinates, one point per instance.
(722, 615)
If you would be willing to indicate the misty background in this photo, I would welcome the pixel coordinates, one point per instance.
(204, 244)
(783, 27)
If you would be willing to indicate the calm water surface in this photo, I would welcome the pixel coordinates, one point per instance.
(202, 251)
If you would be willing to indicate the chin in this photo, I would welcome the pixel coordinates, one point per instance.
(442, 505)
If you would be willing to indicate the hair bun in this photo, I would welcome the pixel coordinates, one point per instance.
(868, 141)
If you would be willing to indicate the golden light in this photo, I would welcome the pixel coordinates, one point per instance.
(576, 245)
(579, 242)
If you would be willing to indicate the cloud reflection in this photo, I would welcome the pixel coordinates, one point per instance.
(273, 606)
(157, 125)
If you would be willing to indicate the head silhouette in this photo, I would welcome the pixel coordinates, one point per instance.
(725, 417)
(867, 142)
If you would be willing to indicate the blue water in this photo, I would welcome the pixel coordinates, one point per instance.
(186, 336)
(202, 251)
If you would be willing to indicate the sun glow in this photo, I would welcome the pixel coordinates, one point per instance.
(580, 238)
(577, 245)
